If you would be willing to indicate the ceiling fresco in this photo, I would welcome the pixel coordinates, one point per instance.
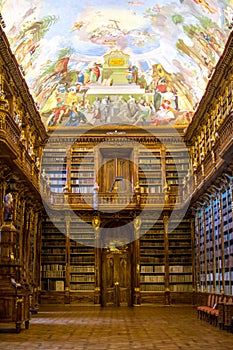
(127, 62)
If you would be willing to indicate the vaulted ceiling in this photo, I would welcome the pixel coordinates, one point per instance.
(172, 43)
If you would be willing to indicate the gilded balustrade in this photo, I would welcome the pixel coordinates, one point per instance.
(117, 201)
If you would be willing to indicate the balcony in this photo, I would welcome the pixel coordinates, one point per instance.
(14, 149)
(215, 162)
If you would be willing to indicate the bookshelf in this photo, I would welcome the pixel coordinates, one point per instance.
(82, 170)
(152, 257)
(53, 255)
(54, 165)
(202, 254)
(180, 257)
(209, 248)
(82, 257)
(228, 240)
(177, 164)
(150, 171)
(214, 243)
(217, 244)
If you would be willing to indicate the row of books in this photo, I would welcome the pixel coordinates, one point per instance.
(86, 181)
(147, 244)
(84, 189)
(82, 167)
(151, 279)
(82, 259)
(81, 287)
(180, 269)
(53, 267)
(180, 278)
(53, 274)
(53, 251)
(82, 278)
(82, 269)
(87, 158)
(53, 258)
(59, 241)
(181, 244)
(152, 269)
(58, 237)
(181, 287)
(53, 285)
(152, 287)
(152, 251)
(150, 181)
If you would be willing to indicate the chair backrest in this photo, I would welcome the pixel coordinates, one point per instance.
(213, 298)
(209, 300)
(216, 299)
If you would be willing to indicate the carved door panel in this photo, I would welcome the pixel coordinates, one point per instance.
(116, 277)
(114, 170)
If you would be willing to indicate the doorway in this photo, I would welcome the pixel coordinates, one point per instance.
(117, 266)
(116, 170)
(116, 277)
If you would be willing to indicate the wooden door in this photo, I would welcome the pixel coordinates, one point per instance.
(112, 172)
(116, 277)
(115, 165)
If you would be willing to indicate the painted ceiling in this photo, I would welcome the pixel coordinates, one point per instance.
(97, 61)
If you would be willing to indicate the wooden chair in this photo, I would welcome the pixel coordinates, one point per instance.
(202, 309)
(218, 310)
(211, 311)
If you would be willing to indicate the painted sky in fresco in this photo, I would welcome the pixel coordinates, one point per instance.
(173, 45)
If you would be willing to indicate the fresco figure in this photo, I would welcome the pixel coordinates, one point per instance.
(105, 109)
(160, 89)
(96, 109)
(95, 73)
(164, 114)
(75, 116)
(132, 105)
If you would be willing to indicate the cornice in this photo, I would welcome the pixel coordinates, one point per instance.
(94, 140)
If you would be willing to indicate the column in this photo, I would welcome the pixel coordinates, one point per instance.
(166, 261)
(97, 250)
(67, 271)
(136, 262)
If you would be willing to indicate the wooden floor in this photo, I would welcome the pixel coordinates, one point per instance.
(92, 327)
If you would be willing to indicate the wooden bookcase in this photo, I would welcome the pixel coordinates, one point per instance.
(209, 248)
(53, 254)
(176, 165)
(54, 165)
(180, 257)
(228, 240)
(82, 257)
(152, 257)
(217, 244)
(214, 243)
(150, 171)
(82, 170)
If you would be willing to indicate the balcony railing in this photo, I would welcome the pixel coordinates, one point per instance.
(209, 166)
(110, 201)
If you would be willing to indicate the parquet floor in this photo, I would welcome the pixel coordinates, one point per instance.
(91, 327)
